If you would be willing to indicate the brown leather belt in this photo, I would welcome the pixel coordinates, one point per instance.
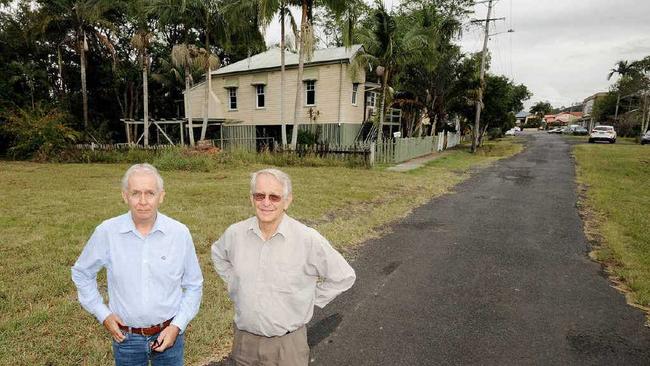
(154, 329)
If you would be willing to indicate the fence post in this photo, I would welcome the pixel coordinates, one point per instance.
(372, 154)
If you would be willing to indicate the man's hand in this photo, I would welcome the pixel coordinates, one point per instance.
(112, 324)
(166, 338)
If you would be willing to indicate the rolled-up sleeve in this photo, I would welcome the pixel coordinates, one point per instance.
(84, 274)
(335, 272)
(192, 285)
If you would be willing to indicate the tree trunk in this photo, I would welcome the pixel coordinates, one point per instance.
(301, 65)
(382, 110)
(188, 105)
(435, 115)
(480, 136)
(645, 118)
(618, 100)
(84, 92)
(208, 79)
(145, 97)
(206, 103)
(60, 71)
(282, 77)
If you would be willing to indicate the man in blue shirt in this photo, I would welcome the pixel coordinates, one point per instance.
(154, 279)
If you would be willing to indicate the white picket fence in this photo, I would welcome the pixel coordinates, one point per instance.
(398, 150)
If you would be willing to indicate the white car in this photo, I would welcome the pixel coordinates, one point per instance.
(603, 133)
(510, 132)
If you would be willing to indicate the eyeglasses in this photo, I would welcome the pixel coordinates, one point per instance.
(259, 197)
(147, 195)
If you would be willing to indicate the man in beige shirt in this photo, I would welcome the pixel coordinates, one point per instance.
(276, 269)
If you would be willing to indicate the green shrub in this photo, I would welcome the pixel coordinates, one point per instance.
(39, 134)
(495, 133)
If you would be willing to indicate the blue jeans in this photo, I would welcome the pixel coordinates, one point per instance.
(135, 350)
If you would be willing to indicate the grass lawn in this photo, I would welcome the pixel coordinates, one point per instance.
(616, 179)
(48, 211)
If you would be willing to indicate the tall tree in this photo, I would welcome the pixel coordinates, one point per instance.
(305, 52)
(82, 19)
(642, 75)
(388, 48)
(179, 13)
(210, 21)
(623, 69)
(268, 9)
(139, 14)
(541, 108)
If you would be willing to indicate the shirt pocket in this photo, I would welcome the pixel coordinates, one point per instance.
(167, 262)
(289, 280)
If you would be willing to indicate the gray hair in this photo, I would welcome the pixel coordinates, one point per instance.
(281, 176)
(142, 169)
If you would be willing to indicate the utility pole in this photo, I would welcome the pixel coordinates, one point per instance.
(479, 102)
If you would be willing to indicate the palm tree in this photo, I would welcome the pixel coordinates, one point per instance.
(388, 49)
(208, 19)
(306, 50)
(179, 13)
(641, 71)
(185, 57)
(83, 18)
(268, 9)
(139, 12)
(622, 68)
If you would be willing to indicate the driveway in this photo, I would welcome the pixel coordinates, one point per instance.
(496, 273)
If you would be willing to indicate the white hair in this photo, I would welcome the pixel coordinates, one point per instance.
(142, 169)
(281, 176)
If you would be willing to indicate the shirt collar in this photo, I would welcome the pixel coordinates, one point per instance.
(283, 228)
(127, 224)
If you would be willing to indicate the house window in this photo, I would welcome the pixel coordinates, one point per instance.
(372, 98)
(355, 91)
(232, 98)
(260, 95)
(310, 92)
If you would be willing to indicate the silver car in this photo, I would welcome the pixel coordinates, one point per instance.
(645, 139)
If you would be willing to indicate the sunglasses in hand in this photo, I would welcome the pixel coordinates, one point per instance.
(155, 344)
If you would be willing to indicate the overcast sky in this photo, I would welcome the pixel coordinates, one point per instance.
(562, 50)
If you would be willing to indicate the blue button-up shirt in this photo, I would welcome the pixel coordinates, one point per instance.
(151, 278)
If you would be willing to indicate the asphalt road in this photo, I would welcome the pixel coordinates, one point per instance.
(495, 274)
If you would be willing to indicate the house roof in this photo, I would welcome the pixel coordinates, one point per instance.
(271, 59)
(522, 114)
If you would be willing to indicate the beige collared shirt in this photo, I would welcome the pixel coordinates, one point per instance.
(274, 284)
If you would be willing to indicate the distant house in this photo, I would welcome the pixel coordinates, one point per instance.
(245, 96)
(522, 118)
(549, 119)
(562, 118)
(588, 106)
(566, 118)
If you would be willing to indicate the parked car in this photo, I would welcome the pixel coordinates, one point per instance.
(645, 139)
(580, 131)
(510, 132)
(557, 130)
(603, 133)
